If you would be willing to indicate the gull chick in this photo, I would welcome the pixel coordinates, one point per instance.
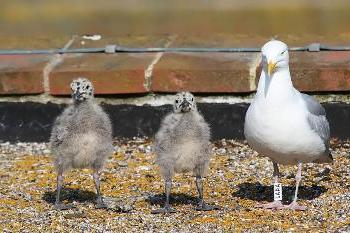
(182, 144)
(283, 124)
(81, 138)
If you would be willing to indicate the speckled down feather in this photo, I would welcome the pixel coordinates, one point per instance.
(182, 144)
(81, 137)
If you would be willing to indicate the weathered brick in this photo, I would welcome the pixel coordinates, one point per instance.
(321, 71)
(111, 73)
(22, 74)
(204, 72)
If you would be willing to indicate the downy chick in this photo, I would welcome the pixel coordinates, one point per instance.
(81, 138)
(182, 144)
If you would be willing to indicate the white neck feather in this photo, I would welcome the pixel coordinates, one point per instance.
(276, 89)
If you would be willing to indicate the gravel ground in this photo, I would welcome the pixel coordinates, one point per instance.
(237, 181)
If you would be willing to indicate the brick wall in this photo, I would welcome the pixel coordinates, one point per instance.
(142, 73)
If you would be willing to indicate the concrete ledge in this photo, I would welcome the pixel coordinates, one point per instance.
(32, 122)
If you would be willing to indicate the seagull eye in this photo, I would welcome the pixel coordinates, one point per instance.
(283, 52)
(176, 101)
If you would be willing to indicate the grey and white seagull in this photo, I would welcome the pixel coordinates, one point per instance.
(283, 124)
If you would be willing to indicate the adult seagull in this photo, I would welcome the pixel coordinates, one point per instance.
(283, 124)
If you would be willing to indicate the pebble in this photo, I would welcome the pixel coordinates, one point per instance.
(237, 180)
(122, 164)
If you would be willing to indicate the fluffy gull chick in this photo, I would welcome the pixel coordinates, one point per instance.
(81, 138)
(182, 144)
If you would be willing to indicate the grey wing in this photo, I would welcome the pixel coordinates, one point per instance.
(58, 133)
(59, 129)
(164, 134)
(205, 132)
(106, 124)
(317, 118)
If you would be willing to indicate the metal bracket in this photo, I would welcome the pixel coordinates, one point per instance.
(110, 48)
(314, 47)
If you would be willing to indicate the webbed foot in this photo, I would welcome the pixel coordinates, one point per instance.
(276, 205)
(205, 207)
(294, 206)
(61, 206)
(101, 205)
(164, 210)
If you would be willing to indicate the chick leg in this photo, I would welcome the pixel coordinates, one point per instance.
(275, 204)
(58, 204)
(294, 205)
(99, 201)
(202, 205)
(167, 208)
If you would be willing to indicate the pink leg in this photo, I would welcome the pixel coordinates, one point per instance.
(275, 204)
(294, 205)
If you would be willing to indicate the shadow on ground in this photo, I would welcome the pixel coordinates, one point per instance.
(70, 195)
(175, 199)
(259, 192)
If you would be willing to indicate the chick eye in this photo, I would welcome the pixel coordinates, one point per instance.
(283, 52)
(192, 99)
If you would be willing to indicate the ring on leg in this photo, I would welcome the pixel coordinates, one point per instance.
(276, 204)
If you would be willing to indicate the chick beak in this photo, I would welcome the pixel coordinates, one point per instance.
(271, 67)
(77, 95)
(185, 106)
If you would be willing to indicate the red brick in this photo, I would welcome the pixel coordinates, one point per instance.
(321, 71)
(111, 73)
(22, 74)
(203, 72)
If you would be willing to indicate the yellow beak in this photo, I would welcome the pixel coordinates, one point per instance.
(270, 68)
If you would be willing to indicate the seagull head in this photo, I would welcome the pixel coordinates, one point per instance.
(82, 89)
(274, 56)
(184, 102)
